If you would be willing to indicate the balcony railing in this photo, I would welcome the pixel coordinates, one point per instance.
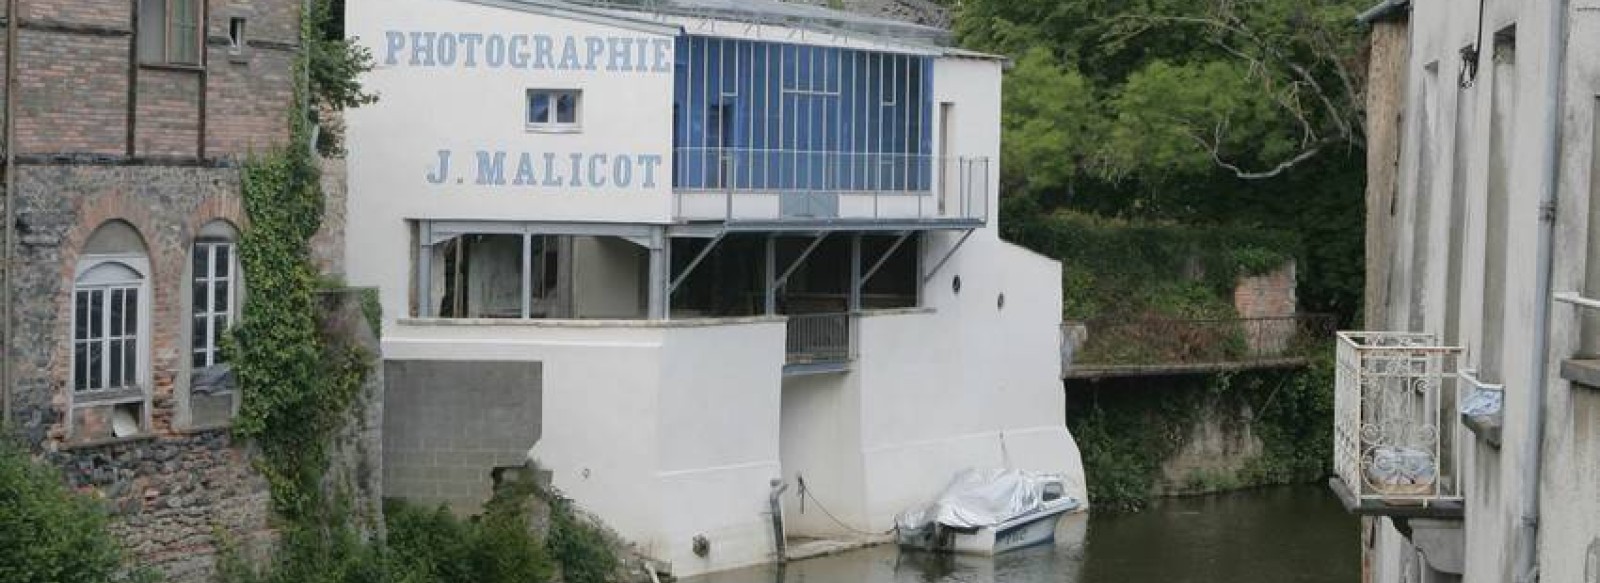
(732, 184)
(819, 339)
(1114, 347)
(1397, 441)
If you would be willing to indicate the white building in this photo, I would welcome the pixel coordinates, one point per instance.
(739, 242)
(1483, 241)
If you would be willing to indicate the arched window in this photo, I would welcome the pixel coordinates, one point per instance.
(110, 322)
(214, 287)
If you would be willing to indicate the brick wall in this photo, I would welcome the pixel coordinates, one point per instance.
(168, 113)
(1267, 296)
(72, 94)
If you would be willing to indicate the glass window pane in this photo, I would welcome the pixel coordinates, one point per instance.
(219, 299)
(152, 30)
(116, 364)
(538, 107)
(96, 314)
(224, 260)
(200, 359)
(80, 316)
(130, 362)
(96, 368)
(198, 333)
(116, 308)
(202, 258)
(80, 364)
(218, 328)
(131, 315)
(567, 108)
(200, 300)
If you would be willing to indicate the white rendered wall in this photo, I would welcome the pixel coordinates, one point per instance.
(665, 431)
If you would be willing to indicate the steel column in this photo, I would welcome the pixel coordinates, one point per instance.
(425, 270)
(855, 273)
(659, 305)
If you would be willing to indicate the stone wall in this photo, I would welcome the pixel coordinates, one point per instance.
(170, 497)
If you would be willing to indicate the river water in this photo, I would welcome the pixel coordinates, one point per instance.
(1297, 534)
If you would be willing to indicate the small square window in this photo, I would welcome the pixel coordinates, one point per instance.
(236, 38)
(553, 110)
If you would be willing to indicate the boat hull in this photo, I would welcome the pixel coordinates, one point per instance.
(1031, 529)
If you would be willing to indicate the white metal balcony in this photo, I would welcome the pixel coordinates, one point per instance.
(1397, 440)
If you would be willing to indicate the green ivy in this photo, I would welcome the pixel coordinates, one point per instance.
(1113, 268)
(1126, 429)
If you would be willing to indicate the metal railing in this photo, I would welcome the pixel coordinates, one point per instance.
(819, 338)
(1396, 437)
(1160, 342)
(736, 183)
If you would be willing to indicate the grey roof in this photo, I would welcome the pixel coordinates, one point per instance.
(774, 12)
(1384, 11)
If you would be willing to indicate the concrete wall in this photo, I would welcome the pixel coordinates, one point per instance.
(665, 430)
(608, 278)
(448, 424)
(1444, 190)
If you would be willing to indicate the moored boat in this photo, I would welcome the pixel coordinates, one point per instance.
(988, 512)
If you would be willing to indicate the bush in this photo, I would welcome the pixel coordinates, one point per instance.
(49, 534)
(497, 547)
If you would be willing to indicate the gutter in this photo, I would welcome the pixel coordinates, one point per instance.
(1527, 562)
(7, 313)
(1384, 11)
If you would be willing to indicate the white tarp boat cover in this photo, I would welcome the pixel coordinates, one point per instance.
(977, 498)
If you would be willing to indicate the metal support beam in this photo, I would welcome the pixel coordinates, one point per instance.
(947, 257)
(425, 270)
(855, 273)
(884, 259)
(801, 260)
(689, 270)
(770, 276)
(660, 304)
(527, 276)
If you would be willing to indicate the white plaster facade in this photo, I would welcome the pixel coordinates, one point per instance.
(1457, 257)
(669, 429)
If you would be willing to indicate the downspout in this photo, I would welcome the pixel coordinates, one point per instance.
(7, 313)
(1527, 565)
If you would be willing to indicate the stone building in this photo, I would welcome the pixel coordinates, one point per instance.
(1465, 422)
(127, 123)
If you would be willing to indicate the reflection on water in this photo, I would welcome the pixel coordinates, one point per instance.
(1282, 535)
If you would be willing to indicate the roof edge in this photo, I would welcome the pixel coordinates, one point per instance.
(580, 13)
(1386, 10)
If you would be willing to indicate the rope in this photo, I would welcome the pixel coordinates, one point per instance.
(805, 493)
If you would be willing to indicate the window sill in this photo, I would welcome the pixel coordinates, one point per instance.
(108, 441)
(533, 129)
(1583, 372)
(100, 398)
(172, 67)
(1486, 428)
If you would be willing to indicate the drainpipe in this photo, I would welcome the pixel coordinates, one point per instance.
(7, 312)
(1527, 565)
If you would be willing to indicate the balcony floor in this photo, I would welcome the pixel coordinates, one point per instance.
(1441, 510)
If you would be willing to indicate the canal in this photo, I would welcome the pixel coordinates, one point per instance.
(1296, 534)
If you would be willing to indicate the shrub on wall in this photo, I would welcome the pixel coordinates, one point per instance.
(46, 532)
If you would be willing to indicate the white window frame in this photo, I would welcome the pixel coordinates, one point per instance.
(141, 266)
(551, 123)
(208, 346)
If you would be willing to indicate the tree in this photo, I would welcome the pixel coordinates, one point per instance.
(1178, 88)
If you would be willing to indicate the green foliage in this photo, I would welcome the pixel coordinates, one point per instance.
(1125, 432)
(1177, 88)
(335, 65)
(310, 555)
(579, 545)
(496, 548)
(49, 534)
(1133, 269)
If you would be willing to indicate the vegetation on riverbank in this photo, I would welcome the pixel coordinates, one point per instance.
(1127, 430)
